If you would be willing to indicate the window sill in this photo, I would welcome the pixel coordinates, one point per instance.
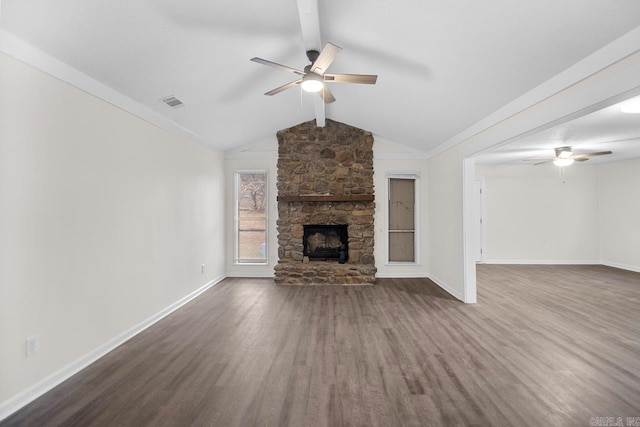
(251, 263)
(403, 264)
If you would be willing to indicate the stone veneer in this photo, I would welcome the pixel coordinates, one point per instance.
(335, 161)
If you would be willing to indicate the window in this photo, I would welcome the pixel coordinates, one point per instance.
(402, 212)
(251, 217)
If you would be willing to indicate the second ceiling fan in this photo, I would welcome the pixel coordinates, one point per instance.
(565, 157)
(314, 75)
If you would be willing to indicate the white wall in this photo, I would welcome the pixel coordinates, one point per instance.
(267, 162)
(445, 221)
(532, 215)
(620, 214)
(388, 157)
(105, 221)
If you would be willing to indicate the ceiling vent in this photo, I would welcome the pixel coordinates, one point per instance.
(173, 102)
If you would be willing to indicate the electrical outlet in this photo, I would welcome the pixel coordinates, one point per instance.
(32, 345)
(202, 271)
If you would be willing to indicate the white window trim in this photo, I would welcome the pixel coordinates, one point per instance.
(236, 219)
(415, 176)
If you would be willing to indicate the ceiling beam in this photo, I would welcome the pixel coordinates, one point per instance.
(318, 106)
(310, 26)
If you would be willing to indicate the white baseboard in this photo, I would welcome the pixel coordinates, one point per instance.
(621, 266)
(542, 261)
(564, 262)
(36, 390)
(443, 285)
(252, 275)
(402, 276)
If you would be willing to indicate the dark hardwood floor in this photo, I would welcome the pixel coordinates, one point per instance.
(544, 346)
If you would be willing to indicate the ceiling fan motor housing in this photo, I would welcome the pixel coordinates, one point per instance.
(313, 55)
(563, 152)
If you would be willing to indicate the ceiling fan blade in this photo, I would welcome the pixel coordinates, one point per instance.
(367, 79)
(283, 88)
(538, 159)
(578, 157)
(581, 159)
(326, 95)
(326, 58)
(278, 66)
(543, 162)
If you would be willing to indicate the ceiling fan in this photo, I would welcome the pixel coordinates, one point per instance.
(565, 157)
(314, 76)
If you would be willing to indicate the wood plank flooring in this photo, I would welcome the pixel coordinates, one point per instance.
(544, 346)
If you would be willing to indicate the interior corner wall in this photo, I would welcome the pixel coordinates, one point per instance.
(619, 214)
(105, 220)
(445, 221)
(533, 215)
(270, 164)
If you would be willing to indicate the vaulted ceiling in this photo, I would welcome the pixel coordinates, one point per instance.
(442, 65)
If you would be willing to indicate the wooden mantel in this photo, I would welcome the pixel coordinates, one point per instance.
(330, 198)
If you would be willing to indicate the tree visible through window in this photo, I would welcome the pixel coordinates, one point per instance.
(251, 217)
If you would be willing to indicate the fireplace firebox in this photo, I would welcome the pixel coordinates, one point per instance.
(323, 241)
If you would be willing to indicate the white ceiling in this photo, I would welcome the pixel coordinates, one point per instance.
(443, 65)
(608, 129)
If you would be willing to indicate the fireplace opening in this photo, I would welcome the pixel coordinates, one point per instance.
(326, 241)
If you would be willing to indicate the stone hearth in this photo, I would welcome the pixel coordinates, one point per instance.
(325, 177)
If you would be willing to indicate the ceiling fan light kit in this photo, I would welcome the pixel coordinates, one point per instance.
(563, 162)
(312, 82)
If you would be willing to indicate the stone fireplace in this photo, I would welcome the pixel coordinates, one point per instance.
(325, 205)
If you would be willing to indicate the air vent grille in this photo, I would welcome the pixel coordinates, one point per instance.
(173, 102)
